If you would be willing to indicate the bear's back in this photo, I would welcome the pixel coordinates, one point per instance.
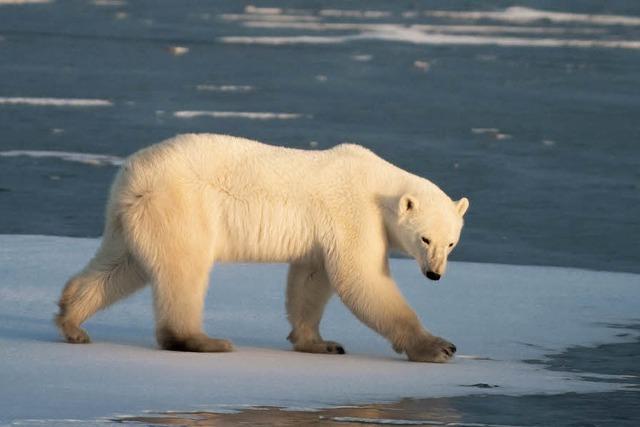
(249, 168)
(214, 154)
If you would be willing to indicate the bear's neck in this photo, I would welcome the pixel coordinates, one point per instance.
(390, 188)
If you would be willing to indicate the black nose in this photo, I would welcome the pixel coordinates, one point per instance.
(433, 276)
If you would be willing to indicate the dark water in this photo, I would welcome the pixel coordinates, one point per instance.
(556, 183)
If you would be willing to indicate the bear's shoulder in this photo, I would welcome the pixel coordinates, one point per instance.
(351, 148)
(350, 152)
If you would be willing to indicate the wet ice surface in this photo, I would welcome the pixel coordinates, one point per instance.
(620, 408)
(553, 182)
(501, 317)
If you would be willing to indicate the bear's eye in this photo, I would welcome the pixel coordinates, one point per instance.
(427, 241)
(450, 245)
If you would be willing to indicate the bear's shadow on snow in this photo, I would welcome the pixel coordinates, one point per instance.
(33, 329)
(27, 328)
(44, 330)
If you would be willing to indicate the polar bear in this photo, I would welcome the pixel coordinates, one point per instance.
(177, 207)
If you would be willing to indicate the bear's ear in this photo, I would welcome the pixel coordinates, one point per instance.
(462, 205)
(407, 204)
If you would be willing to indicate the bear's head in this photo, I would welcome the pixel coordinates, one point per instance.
(428, 228)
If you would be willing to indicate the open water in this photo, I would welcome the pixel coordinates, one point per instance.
(530, 108)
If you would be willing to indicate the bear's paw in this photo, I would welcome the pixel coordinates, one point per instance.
(431, 349)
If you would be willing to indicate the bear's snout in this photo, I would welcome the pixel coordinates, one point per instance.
(433, 275)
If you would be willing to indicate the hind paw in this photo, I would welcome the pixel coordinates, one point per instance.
(199, 343)
(323, 347)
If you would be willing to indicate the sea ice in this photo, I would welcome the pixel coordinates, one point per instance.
(497, 315)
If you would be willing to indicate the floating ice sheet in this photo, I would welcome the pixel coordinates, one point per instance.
(523, 15)
(417, 36)
(86, 158)
(562, 29)
(55, 102)
(21, 2)
(497, 315)
(254, 115)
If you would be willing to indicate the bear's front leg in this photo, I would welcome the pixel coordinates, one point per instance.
(376, 300)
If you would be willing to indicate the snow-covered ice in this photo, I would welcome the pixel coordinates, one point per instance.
(21, 2)
(524, 15)
(470, 31)
(225, 88)
(497, 315)
(55, 102)
(417, 36)
(69, 156)
(262, 115)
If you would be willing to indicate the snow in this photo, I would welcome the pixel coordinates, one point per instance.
(464, 29)
(225, 88)
(416, 36)
(263, 10)
(266, 17)
(285, 40)
(497, 315)
(523, 15)
(69, 156)
(21, 2)
(437, 32)
(341, 13)
(55, 102)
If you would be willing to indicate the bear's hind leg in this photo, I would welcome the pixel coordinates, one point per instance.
(110, 276)
(308, 291)
(178, 293)
(168, 227)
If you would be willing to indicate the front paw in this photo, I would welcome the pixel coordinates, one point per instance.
(431, 349)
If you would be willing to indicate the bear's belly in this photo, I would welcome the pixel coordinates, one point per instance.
(266, 235)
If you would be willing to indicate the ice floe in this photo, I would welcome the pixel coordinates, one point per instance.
(554, 29)
(432, 28)
(416, 36)
(343, 13)
(497, 315)
(264, 17)
(225, 88)
(86, 158)
(237, 115)
(55, 102)
(20, 2)
(519, 14)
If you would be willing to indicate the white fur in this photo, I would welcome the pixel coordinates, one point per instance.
(181, 205)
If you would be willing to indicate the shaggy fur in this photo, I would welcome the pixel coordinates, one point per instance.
(179, 206)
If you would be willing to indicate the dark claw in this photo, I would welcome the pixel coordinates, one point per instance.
(447, 351)
(453, 348)
(340, 350)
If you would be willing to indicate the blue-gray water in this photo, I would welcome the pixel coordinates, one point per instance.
(544, 140)
(556, 184)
